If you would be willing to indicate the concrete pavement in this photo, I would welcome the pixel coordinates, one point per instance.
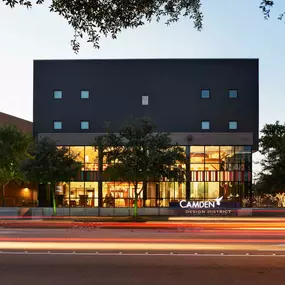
(140, 270)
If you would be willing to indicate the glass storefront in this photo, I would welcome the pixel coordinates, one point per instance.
(215, 171)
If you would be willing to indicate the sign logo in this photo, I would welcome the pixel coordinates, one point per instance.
(201, 204)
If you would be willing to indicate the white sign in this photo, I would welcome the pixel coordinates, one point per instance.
(200, 204)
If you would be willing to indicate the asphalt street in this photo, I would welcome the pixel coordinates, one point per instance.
(143, 240)
(140, 270)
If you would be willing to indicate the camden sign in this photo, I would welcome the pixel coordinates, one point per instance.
(197, 208)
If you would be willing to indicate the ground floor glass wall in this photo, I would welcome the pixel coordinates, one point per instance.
(214, 171)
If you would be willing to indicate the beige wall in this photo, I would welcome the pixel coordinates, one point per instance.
(218, 139)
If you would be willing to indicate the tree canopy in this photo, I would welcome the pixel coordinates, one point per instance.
(50, 164)
(13, 149)
(139, 154)
(272, 144)
(109, 17)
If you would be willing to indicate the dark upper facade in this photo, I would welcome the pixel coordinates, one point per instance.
(228, 113)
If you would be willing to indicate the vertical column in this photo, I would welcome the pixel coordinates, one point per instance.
(250, 183)
(100, 176)
(145, 185)
(157, 194)
(188, 189)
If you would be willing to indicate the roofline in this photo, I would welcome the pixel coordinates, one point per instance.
(129, 59)
(15, 117)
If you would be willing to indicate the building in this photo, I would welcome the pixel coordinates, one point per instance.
(210, 107)
(21, 124)
(18, 194)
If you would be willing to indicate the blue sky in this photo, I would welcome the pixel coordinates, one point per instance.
(232, 29)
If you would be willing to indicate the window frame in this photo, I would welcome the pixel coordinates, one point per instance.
(230, 92)
(232, 121)
(84, 121)
(201, 93)
(57, 90)
(84, 90)
(57, 121)
(202, 125)
(145, 99)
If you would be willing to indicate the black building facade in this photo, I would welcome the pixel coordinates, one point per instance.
(210, 107)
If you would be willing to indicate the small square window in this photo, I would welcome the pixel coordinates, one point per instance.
(205, 94)
(84, 94)
(205, 125)
(233, 94)
(57, 125)
(144, 100)
(233, 125)
(57, 94)
(84, 125)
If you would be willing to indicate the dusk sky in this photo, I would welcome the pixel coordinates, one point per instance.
(232, 29)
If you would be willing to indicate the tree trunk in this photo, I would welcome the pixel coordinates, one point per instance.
(136, 201)
(53, 199)
(3, 193)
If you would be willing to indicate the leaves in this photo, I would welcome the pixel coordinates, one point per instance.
(13, 149)
(272, 145)
(49, 163)
(93, 18)
(138, 154)
(109, 17)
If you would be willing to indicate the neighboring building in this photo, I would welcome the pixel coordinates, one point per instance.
(21, 124)
(18, 194)
(210, 107)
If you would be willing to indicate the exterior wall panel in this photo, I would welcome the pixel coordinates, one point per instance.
(173, 86)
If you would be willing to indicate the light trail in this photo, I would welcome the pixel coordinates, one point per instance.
(142, 240)
(208, 225)
(225, 219)
(134, 246)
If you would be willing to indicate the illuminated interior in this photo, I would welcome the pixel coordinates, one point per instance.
(215, 171)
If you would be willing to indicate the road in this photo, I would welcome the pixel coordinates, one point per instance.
(140, 270)
(194, 254)
(180, 240)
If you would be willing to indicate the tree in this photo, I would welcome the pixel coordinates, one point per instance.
(266, 6)
(96, 17)
(139, 154)
(50, 164)
(13, 149)
(272, 144)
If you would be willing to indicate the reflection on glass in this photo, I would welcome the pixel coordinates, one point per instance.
(212, 154)
(212, 190)
(197, 190)
(212, 167)
(91, 192)
(243, 158)
(178, 163)
(62, 194)
(196, 167)
(226, 188)
(91, 158)
(120, 194)
(167, 191)
(78, 151)
(180, 191)
(172, 191)
(226, 158)
(77, 194)
(197, 154)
